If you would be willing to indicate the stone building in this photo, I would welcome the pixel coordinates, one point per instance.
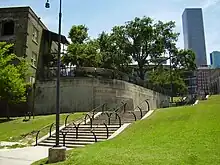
(203, 80)
(215, 81)
(32, 40)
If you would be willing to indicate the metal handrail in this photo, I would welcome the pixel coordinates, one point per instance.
(118, 108)
(109, 114)
(67, 118)
(51, 126)
(135, 117)
(64, 133)
(119, 118)
(94, 135)
(107, 131)
(77, 129)
(38, 132)
(140, 111)
(148, 105)
(87, 115)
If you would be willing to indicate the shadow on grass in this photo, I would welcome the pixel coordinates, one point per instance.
(3, 120)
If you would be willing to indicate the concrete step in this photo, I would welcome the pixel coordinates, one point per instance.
(94, 126)
(85, 136)
(68, 146)
(77, 140)
(70, 142)
(96, 130)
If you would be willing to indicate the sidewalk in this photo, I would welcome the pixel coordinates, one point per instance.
(22, 156)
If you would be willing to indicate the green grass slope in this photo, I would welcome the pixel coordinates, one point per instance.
(173, 136)
(17, 129)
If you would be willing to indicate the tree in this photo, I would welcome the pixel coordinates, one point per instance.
(82, 51)
(78, 34)
(182, 62)
(12, 82)
(113, 51)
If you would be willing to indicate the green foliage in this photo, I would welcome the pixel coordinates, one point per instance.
(113, 51)
(182, 61)
(12, 82)
(78, 34)
(82, 51)
(162, 78)
(84, 54)
(142, 40)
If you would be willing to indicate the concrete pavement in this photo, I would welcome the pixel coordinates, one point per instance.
(22, 156)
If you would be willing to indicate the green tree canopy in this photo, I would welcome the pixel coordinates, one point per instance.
(12, 82)
(78, 34)
(82, 51)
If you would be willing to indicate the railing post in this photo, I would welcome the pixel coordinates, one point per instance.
(90, 122)
(119, 118)
(148, 105)
(106, 130)
(64, 137)
(103, 108)
(124, 107)
(94, 135)
(109, 118)
(37, 137)
(135, 118)
(140, 111)
(66, 119)
(87, 115)
(51, 126)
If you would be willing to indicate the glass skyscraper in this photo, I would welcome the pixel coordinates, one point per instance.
(193, 32)
(215, 59)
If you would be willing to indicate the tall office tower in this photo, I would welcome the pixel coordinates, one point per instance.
(215, 59)
(193, 31)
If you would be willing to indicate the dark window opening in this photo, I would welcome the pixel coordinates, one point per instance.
(8, 28)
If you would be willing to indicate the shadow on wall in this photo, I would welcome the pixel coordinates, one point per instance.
(84, 94)
(13, 110)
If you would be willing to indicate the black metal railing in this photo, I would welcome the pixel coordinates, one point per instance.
(135, 117)
(45, 127)
(66, 119)
(95, 137)
(64, 133)
(90, 119)
(107, 131)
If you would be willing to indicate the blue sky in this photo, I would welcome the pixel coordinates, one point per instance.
(102, 15)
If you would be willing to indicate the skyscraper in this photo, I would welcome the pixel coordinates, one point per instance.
(215, 59)
(193, 31)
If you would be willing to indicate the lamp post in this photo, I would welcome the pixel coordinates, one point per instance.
(47, 5)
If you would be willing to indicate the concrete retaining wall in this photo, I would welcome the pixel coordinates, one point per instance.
(83, 94)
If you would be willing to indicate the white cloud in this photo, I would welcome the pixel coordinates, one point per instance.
(209, 3)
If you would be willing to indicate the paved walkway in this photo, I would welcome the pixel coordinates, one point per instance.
(22, 156)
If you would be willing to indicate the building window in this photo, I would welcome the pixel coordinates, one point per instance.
(8, 28)
(35, 35)
(34, 59)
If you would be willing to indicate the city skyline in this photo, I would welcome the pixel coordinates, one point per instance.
(193, 32)
(102, 16)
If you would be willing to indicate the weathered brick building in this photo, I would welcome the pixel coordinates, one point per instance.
(32, 40)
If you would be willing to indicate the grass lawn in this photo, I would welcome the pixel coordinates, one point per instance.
(25, 132)
(173, 136)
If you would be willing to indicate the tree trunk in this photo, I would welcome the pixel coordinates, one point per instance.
(7, 110)
(141, 73)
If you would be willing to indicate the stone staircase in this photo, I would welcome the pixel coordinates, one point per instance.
(86, 135)
(91, 130)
